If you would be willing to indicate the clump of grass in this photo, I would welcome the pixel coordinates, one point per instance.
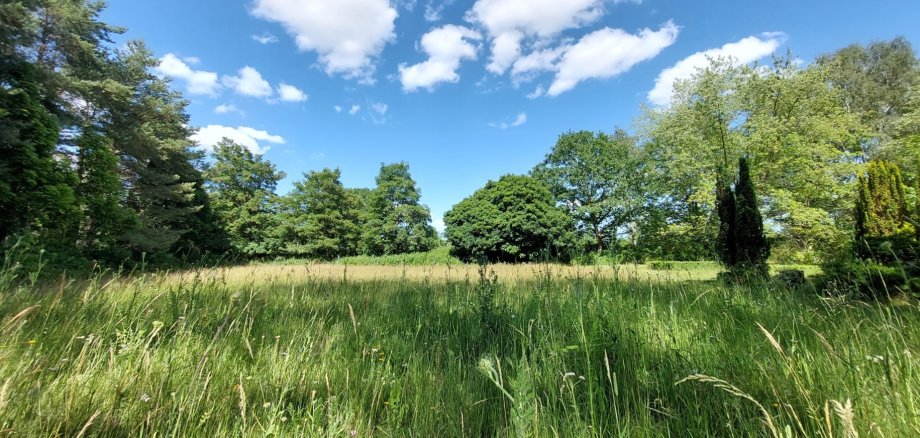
(293, 352)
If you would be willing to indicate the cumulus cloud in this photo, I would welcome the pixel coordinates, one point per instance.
(196, 81)
(354, 109)
(508, 22)
(265, 38)
(609, 52)
(208, 136)
(346, 34)
(446, 47)
(290, 93)
(249, 82)
(745, 51)
(337, 108)
(518, 121)
(226, 109)
(537, 61)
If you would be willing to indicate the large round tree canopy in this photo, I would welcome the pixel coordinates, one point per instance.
(513, 219)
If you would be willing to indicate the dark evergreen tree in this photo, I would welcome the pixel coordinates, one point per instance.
(752, 243)
(742, 245)
(149, 129)
(727, 248)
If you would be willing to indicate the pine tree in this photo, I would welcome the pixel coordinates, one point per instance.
(149, 129)
(397, 223)
(753, 247)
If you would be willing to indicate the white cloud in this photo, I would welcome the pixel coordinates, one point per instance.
(193, 60)
(446, 47)
(537, 61)
(227, 109)
(346, 34)
(196, 81)
(208, 136)
(432, 12)
(337, 108)
(249, 82)
(609, 52)
(508, 22)
(506, 48)
(741, 52)
(538, 92)
(354, 109)
(379, 108)
(518, 121)
(290, 93)
(265, 38)
(378, 113)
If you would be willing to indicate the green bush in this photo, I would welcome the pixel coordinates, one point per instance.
(870, 278)
(438, 256)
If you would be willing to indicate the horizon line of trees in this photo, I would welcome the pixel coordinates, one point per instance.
(97, 165)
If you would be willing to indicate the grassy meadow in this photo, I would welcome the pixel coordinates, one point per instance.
(537, 350)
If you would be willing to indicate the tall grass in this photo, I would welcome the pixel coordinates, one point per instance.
(214, 354)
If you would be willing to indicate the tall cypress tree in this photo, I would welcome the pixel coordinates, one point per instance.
(725, 204)
(742, 245)
(753, 247)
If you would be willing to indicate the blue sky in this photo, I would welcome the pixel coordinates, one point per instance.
(464, 91)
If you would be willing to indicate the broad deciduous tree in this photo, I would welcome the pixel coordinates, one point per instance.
(514, 219)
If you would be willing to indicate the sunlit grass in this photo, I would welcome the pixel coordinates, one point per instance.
(318, 350)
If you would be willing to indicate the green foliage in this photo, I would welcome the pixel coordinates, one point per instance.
(598, 179)
(726, 206)
(396, 222)
(102, 197)
(36, 189)
(512, 220)
(742, 246)
(881, 206)
(875, 82)
(437, 256)
(321, 217)
(887, 252)
(784, 118)
(242, 189)
(753, 247)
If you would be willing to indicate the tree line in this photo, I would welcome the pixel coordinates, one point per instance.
(97, 165)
